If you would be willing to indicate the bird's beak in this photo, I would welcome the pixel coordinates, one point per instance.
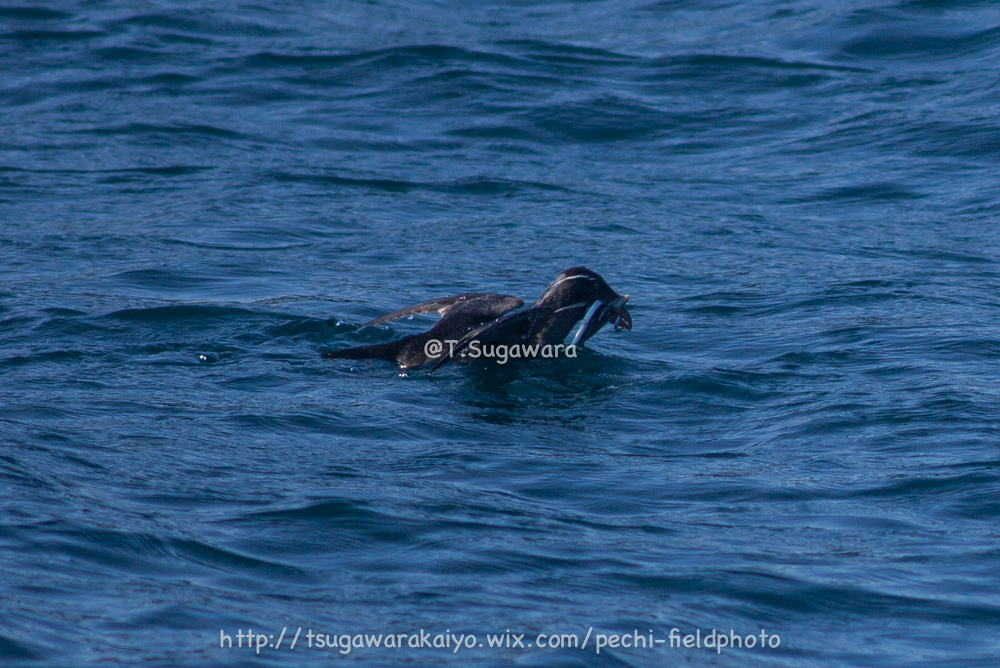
(599, 314)
(620, 317)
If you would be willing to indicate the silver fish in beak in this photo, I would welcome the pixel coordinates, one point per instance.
(601, 313)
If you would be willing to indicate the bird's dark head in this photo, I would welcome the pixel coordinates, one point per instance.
(584, 294)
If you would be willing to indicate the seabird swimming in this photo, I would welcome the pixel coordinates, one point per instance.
(576, 294)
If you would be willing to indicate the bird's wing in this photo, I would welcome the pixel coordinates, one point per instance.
(517, 326)
(441, 305)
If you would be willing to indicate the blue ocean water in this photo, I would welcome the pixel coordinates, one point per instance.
(799, 436)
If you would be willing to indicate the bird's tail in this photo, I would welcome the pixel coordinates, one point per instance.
(378, 351)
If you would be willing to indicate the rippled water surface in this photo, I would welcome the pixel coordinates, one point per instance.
(799, 435)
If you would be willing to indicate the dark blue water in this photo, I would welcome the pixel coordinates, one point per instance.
(799, 435)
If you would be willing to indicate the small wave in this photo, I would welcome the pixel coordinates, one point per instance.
(51, 35)
(745, 387)
(745, 73)
(131, 54)
(171, 170)
(731, 62)
(510, 132)
(554, 52)
(899, 42)
(363, 523)
(163, 21)
(402, 56)
(979, 140)
(165, 279)
(200, 23)
(606, 118)
(16, 651)
(129, 129)
(466, 186)
(32, 14)
(170, 79)
(864, 192)
(165, 314)
(230, 560)
(947, 256)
